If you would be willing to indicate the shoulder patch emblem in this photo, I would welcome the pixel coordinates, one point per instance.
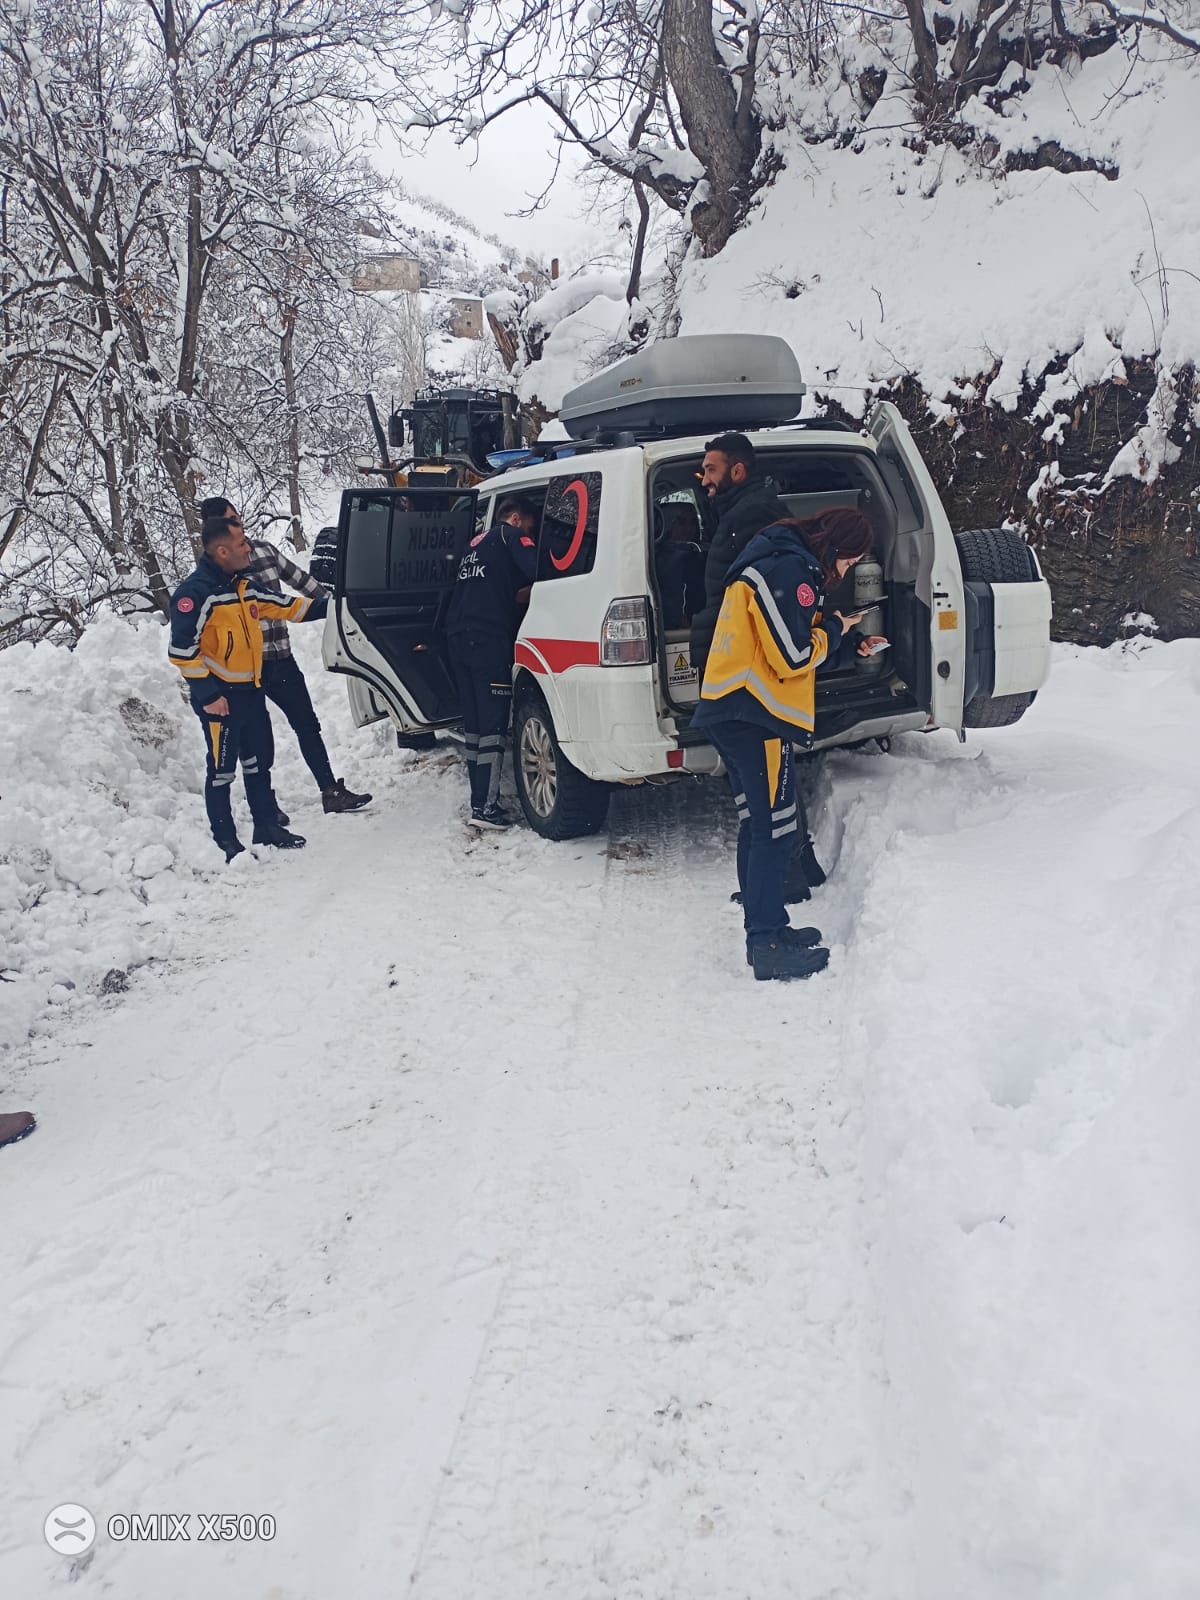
(479, 538)
(254, 611)
(526, 540)
(805, 595)
(185, 603)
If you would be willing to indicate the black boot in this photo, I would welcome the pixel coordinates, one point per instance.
(339, 798)
(777, 958)
(232, 847)
(794, 938)
(279, 837)
(281, 816)
(493, 816)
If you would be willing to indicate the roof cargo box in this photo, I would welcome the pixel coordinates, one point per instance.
(700, 383)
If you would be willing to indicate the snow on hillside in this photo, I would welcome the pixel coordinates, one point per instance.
(104, 845)
(578, 322)
(879, 261)
(467, 1207)
(454, 252)
(457, 260)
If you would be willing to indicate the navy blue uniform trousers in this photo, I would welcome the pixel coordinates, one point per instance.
(762, 774)
(283, 684)
(482, 666)
(245, 735)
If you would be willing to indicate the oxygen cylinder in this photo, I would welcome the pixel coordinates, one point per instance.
(869, 593)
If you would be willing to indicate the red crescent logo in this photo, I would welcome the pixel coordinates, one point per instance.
(579, 489)
(805, 595)
(185, 604)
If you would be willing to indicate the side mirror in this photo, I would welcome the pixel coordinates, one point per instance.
(396, 431)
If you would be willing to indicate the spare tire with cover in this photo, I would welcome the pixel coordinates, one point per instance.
(995, 555)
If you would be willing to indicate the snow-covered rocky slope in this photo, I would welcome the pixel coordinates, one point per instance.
(888, 259)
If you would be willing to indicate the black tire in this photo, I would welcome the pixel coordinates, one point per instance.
(995, 555)
(558, 801)
(322, 564)
(999, 712)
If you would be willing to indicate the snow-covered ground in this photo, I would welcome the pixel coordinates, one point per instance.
(467, 1207)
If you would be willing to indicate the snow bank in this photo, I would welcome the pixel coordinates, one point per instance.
(105, 853)
(1028, 1160)
(879, 261)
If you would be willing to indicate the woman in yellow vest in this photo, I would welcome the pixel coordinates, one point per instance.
(757, 701)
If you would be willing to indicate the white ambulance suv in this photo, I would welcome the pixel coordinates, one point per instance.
(603, 693)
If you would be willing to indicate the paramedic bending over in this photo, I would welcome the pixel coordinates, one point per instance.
(481, 633)
(757, 701)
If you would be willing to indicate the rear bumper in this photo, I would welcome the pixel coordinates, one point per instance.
(632, 751)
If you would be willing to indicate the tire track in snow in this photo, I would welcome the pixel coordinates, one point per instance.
(669, 1401)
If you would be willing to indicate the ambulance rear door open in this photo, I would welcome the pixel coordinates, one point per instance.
(398, 557)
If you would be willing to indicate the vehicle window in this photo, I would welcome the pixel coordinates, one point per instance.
(429, 534)
(567, 546)
(367, 544)
(429, 434)
(406, 542)
(487, 431)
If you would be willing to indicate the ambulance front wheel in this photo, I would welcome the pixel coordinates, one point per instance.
(558, 801)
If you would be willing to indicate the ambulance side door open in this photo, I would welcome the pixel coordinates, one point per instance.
(398, 557)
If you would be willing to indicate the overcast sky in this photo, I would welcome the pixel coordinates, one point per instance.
(492, 179)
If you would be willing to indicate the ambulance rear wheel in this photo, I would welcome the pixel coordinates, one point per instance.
(558, 801)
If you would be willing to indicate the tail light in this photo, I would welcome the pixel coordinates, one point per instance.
(625, 636)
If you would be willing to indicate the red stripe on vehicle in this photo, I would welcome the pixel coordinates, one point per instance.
(561, 655)
(525, 657)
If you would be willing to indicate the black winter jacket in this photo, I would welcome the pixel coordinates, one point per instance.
(742, 511)
(496, 566)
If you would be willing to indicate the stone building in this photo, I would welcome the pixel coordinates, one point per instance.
(466, 317)
(388, 270)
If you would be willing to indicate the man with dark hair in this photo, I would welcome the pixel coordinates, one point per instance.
(216, 643)
(494, 577)
(745, 504)
(282, 680)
